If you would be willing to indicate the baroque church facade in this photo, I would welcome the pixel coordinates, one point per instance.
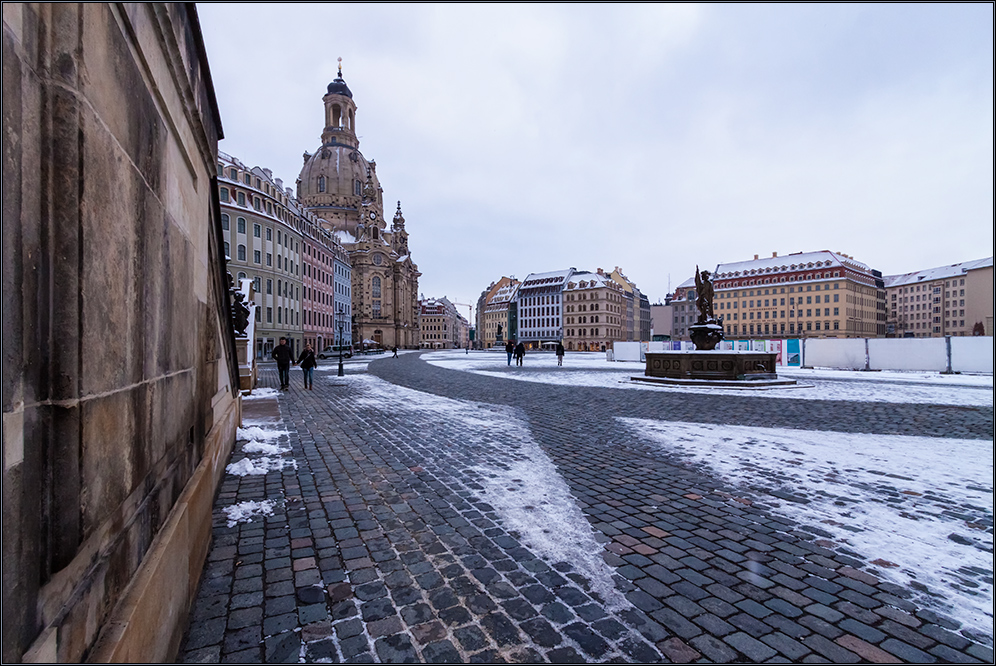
(340, 186)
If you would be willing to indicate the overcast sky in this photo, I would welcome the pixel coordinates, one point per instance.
(531, 138)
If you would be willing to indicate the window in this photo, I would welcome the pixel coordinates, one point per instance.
(240, 225)
(256, 230)
(257, 257)
(375, 288)
(228, 250)
(269, 314)
(242, 198)
(321, 183)
(269, 234)
(224, 194)
(242, 252)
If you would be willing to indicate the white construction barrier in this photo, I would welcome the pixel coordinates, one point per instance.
(972, 354)
(834, 353)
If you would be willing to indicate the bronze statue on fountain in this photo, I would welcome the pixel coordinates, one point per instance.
(707, 331)
(705, 365)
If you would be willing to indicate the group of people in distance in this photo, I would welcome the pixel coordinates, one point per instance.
(519, 352)
(285, 358)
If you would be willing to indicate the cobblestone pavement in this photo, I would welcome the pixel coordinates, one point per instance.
(438, 516)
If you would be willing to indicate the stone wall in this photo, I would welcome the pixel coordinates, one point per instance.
(119, 378)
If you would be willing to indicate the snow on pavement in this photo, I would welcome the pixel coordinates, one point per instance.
(515, 477)
(243, 512)
(919, 508)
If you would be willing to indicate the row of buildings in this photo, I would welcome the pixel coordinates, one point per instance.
(441, 325)
(585, 311)
(831, 294)
(326, 265)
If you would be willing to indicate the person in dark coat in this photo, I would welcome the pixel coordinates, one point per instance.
(282, 355)
(509, 349)
(520, 353)
(308, 363)
(560, 353)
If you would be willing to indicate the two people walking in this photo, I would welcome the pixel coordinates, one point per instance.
(519, 352)
(283, 356)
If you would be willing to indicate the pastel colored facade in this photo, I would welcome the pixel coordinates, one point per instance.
(340, 186)
(300, 271)
(812, 294)
(949, 300)
(497, 322)
(120, 378)
(594, 307)
(539, 303)
(683, 310)
(636, 317)
(662, 320)
(441, 326)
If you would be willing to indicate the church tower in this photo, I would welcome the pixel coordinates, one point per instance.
(339, 185)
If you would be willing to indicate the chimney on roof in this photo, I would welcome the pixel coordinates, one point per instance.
(755, 257)
(600, 272)
(774, 255)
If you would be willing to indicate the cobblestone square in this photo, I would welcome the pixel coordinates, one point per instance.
(409, 512)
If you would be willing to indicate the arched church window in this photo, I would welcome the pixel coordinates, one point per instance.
(375, 286)
(321, 183)
(336, 115)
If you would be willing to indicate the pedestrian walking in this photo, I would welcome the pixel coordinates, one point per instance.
(509, 349)
(282, 355)
(307, 362)
(560, 353)
(395, 350)
(520, 353)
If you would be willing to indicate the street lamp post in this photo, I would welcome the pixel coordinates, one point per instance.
(340, 317)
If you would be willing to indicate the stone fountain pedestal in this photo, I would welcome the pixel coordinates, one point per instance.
(730, 368)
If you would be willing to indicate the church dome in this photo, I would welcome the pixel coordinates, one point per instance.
(344, 170)
(339, 87)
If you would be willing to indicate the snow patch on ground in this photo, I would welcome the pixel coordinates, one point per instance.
(260, 434)
(243, 512)
(922, 503)
(260, 393)
(822, 384)
(259, 466)
(264, 448)
(518, 479)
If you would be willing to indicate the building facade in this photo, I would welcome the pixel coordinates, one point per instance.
(662, 320)
(539, 306)
(636, 314)
(806, 294)
(950, 300)
(441, 326)
(340, 187)
(496, 324)
(594, 306)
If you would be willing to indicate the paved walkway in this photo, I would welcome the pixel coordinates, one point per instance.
(439, 516)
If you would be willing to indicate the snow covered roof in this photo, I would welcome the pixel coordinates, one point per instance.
(586, 280)
(505, 294)
(543, 279)
(939, 273)
(791, 262)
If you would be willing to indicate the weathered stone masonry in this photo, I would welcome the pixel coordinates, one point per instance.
(120, 388)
